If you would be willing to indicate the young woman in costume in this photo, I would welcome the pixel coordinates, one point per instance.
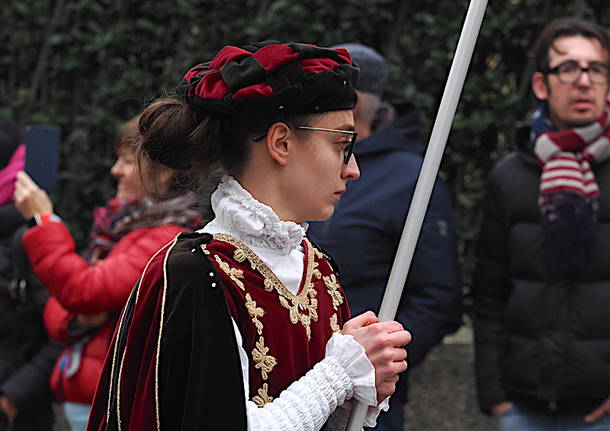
(90, 290)
(244, 325)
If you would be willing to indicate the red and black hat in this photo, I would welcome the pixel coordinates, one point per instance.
(272, 77)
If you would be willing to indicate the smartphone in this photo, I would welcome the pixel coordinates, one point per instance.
(42, 155)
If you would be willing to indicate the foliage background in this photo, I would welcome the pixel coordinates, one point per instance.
(89, 65)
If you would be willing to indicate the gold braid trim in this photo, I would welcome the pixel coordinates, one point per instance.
(304, 301)
(161, 326)
(135, 291)
(233, 273)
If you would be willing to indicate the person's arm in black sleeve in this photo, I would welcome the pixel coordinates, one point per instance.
(431, 305)
(28, 386)
(490, 290)
(10, 220)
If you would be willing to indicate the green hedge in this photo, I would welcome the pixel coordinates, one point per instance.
(89, 65)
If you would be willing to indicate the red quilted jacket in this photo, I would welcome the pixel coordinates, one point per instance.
(78, 288)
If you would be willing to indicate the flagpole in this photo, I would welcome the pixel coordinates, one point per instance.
(427, 177)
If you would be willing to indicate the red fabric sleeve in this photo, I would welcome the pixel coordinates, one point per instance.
(102, 287)
(56, 319)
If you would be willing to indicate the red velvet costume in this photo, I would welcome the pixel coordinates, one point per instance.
(284, 334)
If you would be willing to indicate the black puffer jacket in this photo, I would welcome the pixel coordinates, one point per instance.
(539, 343)
(26, 354)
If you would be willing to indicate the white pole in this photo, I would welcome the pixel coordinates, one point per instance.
(427, 177)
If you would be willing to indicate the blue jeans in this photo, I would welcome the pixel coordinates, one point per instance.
(519, 419)
(77, 415)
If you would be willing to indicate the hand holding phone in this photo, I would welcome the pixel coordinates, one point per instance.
(30, 200)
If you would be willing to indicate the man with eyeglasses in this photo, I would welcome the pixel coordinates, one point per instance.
(365, 229)
(542, 280)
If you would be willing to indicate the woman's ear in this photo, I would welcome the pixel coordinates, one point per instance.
(278, 142)
(540, 86)
(165, 176)
(155, 178)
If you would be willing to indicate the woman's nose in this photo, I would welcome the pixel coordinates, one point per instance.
(351, 170)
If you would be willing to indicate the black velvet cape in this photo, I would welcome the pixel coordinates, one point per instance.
(173, 363)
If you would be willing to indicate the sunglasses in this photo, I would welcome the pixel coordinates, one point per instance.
(347, 152)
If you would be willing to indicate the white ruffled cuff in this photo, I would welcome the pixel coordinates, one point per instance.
(339, 419)
(370, 419)
(352, 357)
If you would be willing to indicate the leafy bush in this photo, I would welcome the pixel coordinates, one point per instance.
(89, 65)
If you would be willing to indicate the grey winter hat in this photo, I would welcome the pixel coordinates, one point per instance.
(373, 72)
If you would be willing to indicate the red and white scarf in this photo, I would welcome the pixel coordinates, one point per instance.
(566, 157)
(568, 195)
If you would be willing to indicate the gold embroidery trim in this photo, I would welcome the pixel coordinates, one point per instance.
(316, 271)
(317, 252)
(262, 360)
(304, 301)
(255, 312)
(333, 290)
(233, 273)
(334, 325)
(263, 396)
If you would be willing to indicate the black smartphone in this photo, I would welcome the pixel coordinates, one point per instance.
(42, 154)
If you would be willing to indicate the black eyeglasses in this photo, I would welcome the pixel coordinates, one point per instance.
(569, 72)
(347, 152)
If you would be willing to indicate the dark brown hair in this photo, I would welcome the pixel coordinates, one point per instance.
(567, 27)
(175, 136)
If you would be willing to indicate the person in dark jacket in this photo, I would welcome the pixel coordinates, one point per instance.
(364, 231)
(542, 280)
(26, 354)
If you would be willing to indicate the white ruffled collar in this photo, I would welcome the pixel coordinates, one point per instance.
(256, 224)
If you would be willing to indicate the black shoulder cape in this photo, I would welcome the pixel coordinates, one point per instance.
(173, 363)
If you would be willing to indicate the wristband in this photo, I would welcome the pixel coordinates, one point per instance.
(44, 218)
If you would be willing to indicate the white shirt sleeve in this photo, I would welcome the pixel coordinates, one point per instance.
(307, 403)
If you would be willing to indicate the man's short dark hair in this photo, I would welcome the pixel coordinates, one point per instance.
(567, 27)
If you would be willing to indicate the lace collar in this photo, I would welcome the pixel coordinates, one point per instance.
(252, 222)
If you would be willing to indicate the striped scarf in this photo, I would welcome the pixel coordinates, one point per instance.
(568, 192)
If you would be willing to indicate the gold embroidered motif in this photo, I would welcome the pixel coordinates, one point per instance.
(268, 285)
(316, 271)
(262, 360)
(333, 290)
(318, 253)
(239, 255)
(263, 397)
(305, 301)
(333, 323)
(233, 273)
(204, 248)
(255, 312)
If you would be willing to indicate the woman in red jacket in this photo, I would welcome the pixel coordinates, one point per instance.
(88, 292)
